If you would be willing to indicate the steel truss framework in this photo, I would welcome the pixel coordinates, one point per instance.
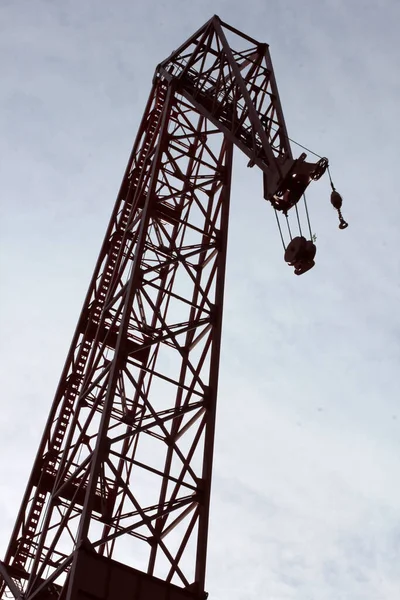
(124, 465)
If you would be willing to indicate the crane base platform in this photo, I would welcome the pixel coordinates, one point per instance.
(100, 578)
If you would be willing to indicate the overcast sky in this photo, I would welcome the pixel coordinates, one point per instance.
(306, 492)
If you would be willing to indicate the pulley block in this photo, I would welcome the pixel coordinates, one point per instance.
(300, 254)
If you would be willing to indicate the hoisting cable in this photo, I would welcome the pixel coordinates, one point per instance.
(275, 130)
(298, 220)
(279, 227)
(308, 216)
(330, 178)
(288, 226)
(304, 147)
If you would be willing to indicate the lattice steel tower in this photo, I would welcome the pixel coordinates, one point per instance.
(117, 504)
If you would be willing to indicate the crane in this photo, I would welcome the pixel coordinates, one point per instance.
(117, 503)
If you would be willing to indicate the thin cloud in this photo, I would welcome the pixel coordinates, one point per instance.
(305, 495)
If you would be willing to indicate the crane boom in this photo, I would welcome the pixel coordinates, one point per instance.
(119, 493)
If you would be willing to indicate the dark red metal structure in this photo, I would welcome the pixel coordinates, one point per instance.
(117, 504)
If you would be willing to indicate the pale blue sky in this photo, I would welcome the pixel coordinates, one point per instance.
(306, 494)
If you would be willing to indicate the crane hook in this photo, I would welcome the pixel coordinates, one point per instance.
(337, 201)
